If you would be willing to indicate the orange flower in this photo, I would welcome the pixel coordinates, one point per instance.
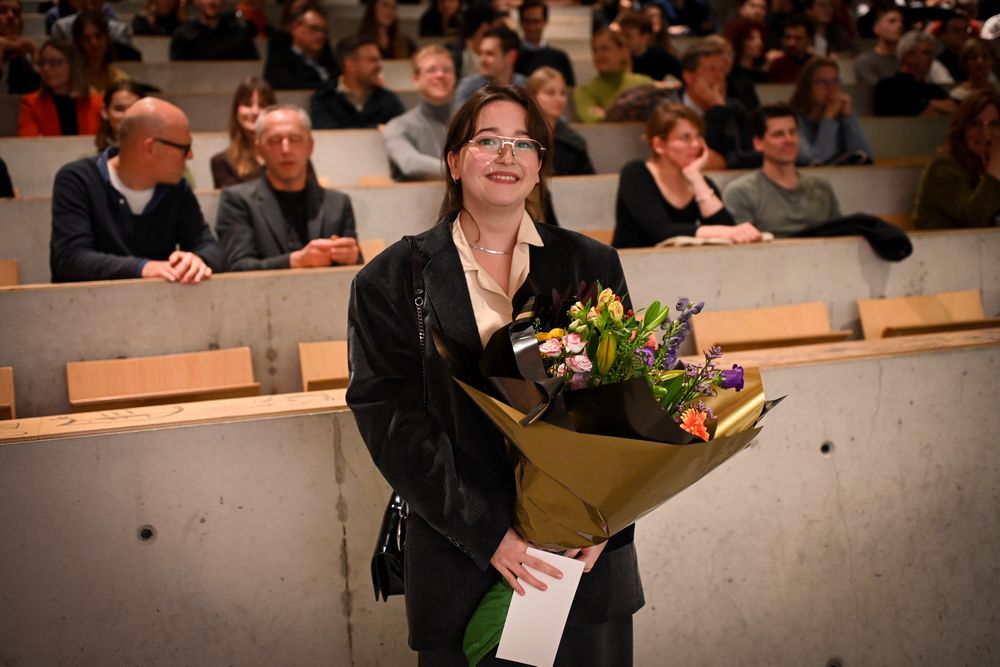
(693, 421)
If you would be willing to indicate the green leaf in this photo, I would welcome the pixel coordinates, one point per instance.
(482, 634)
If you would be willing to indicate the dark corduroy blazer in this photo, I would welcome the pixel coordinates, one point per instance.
(253, 230)
(448, 462)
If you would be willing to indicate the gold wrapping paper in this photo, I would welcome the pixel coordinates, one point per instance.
(577, 489)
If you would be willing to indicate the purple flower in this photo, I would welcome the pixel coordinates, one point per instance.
(682, 303)
(713, 352)
(579, 381)
(646, 355)
(702, 407)
(732, 379)
(691, 371)
(696, 308)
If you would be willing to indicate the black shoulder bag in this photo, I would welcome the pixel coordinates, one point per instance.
(387, 561)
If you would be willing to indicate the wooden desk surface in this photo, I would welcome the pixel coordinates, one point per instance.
(160, 416)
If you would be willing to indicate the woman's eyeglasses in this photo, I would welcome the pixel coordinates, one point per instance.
(519, 146)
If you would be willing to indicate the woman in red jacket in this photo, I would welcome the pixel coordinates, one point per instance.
(64, 105)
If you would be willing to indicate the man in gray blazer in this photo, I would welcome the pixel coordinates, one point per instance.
(284, 218)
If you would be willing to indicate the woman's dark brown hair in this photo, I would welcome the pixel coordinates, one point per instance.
(83, 19)
(242, 152)
(972, 106)
(399, 48)
(463, 128)
(738, 33)
(104, 138)
(802, 100)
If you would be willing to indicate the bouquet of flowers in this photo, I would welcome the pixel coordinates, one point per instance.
(601, 388)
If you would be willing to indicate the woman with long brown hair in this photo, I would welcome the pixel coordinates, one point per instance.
(829, 130)
(92, 40)
(238, 163)
(961, 186)
(426, 436)
(64, 105)
(381, 21)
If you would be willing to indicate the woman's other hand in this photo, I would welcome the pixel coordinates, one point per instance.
(510, 560)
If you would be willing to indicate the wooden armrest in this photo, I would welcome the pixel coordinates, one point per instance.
(167, 396)
(941, 327)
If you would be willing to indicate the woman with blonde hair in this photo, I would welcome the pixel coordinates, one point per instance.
(613, 62)
(548, 88)
(667, 195)
(961, 186)
(829, 130)
(238, 163)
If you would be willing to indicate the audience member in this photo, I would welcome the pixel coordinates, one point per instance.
(688, 17)
(381, 21)
(907, 93)
(725, 119)
(952, 32)
(284, 219)
(6, 187)
(16, 52)
(668, 195)
(829, 130)
(301, 58)
(239, 162)
(443, 18)
(214, 35)
(829, 36)
(252, 13)
(356, 99)
(90, 36)
(606, 13)
(161, 18)
(125, 213)
(613, 64)
(497, 55)
(647, 58)
(796, 40)
(119, 96)
(570, 156)
(961, 186)
(978, 61)
(477, 18)
(778, 13)
(535, 52)
(880, 61)
(414, 141)
(747, 40)
(778, 198)
(661, 32)
(753, 11)
(64, 105)
(118, 31)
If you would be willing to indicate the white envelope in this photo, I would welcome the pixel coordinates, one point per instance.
(535, 621)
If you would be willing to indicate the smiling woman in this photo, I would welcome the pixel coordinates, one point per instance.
(478, 266)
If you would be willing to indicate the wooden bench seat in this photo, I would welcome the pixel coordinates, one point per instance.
(324, 365)
(8, 408)
(759, 328)
(120, 383)
(8, 272)
(907, 315)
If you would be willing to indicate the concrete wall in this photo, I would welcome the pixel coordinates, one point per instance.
(45, 327)
(881, 552)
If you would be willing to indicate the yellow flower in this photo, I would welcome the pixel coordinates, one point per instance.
(593, 315)
(542, 337)
(616, 311)
(557, 333)
(606, 297)
(576, 309)
(607, 350)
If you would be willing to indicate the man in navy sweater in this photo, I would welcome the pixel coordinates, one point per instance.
(129, 213)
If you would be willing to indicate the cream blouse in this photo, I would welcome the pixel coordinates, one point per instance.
(493, 307)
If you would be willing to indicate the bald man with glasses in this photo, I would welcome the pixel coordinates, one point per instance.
(129, 213)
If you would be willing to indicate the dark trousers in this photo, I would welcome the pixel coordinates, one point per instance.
(606, 644)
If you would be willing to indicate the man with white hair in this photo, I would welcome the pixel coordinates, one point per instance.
(908, 92)
(129, 213)
(284, 219)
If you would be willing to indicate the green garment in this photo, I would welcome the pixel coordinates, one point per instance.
(601, 92)
(952, 197)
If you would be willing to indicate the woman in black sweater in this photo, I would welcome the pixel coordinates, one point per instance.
(667, 195)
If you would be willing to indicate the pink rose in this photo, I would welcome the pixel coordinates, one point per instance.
(579, 363)
(551, 348)
(574, 344)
